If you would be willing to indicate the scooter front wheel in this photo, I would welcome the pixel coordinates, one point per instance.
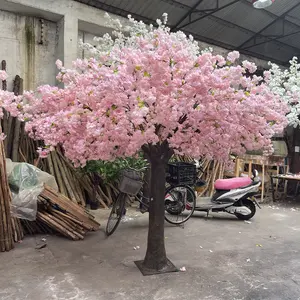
(180, 203)
(249, 204)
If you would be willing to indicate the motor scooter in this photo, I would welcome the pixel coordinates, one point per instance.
(234, 196)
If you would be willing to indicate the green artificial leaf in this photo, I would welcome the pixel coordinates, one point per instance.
(110, 170)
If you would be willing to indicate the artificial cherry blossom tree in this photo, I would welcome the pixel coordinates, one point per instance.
(286, 84)
(152, 89)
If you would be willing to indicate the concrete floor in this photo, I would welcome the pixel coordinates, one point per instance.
(224, 259)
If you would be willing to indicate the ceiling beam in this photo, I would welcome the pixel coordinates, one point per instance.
(271, 14)
(250, 32)
(188, 13)
(124, 13)
(182, 5)
(179, 4)
(116, 10)
(282, 16)
(185, 6)
(209, 14)
(271, 40)
(230, 48)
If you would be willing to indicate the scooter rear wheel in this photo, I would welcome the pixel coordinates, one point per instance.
(249, 204)
(180, 203)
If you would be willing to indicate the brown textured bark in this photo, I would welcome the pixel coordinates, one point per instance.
(146, 185)
(295, 156)
(6, 234)
(158, 156)
(292, 139)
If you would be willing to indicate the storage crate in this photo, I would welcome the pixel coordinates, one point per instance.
(181, 173)
(130, 182)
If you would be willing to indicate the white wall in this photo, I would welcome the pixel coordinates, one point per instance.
(19, 37)
(86, 37)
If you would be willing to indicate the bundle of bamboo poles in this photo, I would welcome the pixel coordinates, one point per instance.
(212, 170)
(72, 183)
(6, 231)
(17, 228)
(58, 214)
(10, 228)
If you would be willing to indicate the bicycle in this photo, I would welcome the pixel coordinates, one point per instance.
(180, 198)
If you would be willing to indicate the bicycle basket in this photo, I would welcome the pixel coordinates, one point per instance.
(182, 173)
(130, 182)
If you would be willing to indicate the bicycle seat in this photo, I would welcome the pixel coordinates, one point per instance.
(232, 183)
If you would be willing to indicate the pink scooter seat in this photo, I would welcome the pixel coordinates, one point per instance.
(232, 183)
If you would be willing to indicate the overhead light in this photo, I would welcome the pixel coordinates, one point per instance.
(262, 3)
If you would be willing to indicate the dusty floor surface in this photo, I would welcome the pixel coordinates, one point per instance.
(224, 259)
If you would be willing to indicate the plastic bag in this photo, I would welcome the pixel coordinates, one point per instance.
(23, 176)
(24, 203)
(25, 189)
(26, 183)
(42, 176)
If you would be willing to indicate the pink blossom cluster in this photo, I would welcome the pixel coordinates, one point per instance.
(2, 136)
(203, 105)
(43, 152)
(13, 104)
(3, 75)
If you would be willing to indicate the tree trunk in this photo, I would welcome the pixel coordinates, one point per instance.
(156, 259)
(292, 138)
(146, 191)
(295, 161)
(146, 184)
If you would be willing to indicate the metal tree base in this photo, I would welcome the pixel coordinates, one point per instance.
(169, 268)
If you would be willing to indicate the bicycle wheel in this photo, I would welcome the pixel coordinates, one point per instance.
(180, 203)
(116, 214)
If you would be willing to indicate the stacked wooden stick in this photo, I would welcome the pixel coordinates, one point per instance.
(75, 184)
(58, 214)
(6, 236)
(213, 170)
(10, 228)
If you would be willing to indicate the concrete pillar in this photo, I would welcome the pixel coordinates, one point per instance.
(29, 53)
(67, 39)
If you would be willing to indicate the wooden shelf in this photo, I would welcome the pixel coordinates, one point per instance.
(265, 162)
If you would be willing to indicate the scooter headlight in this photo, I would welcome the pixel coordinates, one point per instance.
(257, 179)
